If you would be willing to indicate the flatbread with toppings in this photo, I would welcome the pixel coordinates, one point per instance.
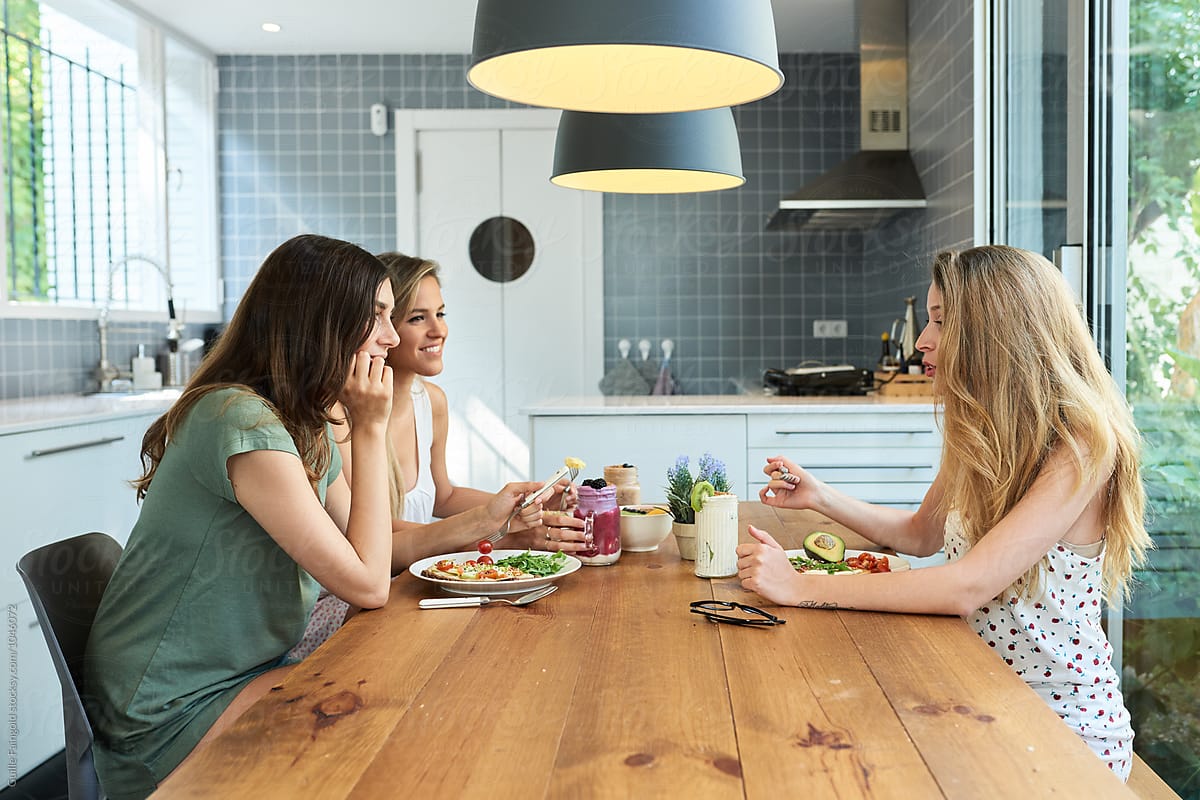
(482, 571)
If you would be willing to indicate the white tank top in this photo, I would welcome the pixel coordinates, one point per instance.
(418, 501)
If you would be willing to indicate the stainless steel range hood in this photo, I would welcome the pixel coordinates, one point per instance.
(880, 180)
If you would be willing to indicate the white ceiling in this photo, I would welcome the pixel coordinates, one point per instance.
(423, 26)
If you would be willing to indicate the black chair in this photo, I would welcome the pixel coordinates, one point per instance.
(66, 581)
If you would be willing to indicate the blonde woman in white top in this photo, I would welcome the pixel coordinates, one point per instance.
(1038, 500)
(418, 464)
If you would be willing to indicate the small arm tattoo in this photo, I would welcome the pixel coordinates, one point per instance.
(818, 604)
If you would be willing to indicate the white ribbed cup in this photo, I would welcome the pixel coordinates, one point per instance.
(717, 537)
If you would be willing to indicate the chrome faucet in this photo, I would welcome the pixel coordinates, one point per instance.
(105, 372)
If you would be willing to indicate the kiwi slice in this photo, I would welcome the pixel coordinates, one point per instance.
(701, 492)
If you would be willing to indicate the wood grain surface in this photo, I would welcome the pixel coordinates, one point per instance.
(611, 688)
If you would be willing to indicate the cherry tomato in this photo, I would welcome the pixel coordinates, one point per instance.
(485, 546)
(470, 562)
(485, 560)
(491, 575)
(445, 566)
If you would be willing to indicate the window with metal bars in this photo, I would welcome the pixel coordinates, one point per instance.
(94, 98)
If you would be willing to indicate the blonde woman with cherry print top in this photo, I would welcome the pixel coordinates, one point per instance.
(1037, 502)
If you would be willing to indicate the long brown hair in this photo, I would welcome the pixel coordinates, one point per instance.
(1021, 378)
(406, 273)
(290, 342)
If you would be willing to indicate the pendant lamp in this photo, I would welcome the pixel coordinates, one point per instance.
(625, 56)
(693, 151)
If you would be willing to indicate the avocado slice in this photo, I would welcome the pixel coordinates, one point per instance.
(824, 546)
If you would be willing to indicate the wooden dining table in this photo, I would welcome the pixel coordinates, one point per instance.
(610, 688)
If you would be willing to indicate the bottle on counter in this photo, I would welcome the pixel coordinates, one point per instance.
(145, 376)
(887, 361)
(916, 363)
(908, 340)
(625, 478)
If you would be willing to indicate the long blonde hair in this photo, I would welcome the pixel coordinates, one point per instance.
(406, 273)
(1021, 378)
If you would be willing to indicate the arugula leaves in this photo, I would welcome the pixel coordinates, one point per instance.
(540, 566)
(800, 562)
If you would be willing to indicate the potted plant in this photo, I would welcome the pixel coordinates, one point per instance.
(679, 496)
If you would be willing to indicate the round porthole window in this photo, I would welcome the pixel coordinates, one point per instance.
(501, 249)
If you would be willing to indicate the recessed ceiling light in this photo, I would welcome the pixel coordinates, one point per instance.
(271, 27)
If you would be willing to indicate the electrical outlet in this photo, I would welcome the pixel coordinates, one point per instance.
(829, 328)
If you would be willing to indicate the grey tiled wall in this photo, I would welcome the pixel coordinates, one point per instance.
(55, 356)
(701, 270)
(296, 155)
(941, 111)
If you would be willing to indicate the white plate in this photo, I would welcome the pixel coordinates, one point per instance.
(897, 563)
(489, 588)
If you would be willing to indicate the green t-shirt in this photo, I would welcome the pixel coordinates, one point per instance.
(202, 601)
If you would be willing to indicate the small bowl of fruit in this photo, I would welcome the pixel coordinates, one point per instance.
(644, 527)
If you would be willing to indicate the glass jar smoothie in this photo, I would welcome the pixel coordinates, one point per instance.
(601, 524)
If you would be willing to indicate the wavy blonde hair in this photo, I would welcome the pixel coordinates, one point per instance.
(406, 273)
(1021, 378)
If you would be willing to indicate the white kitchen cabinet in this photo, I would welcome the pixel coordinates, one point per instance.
(62, 482)
(651, 442)
(882, 452)
(875, 455)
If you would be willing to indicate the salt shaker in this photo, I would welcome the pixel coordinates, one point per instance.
(717, 536)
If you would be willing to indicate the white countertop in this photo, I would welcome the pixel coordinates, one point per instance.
(53, 411)
(724, 404)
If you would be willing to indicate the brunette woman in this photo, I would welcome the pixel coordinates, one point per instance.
(246, 511)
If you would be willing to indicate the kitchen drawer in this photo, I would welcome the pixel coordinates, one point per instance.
(814, 458)
(905, 494)
(837, 430)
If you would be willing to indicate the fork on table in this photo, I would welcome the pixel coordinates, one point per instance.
(571, 472)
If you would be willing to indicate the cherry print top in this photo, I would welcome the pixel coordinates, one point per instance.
(1054, 641)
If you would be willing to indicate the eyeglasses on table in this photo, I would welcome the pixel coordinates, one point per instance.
(719, 611)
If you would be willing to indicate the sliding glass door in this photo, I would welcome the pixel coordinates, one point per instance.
(1162, 371)
(1094, 128)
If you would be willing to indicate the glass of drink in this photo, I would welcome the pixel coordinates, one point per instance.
(717, 536)
(601, 525)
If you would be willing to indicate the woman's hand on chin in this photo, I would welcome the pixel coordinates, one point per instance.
(367, 392)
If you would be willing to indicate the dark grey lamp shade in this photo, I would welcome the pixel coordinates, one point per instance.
(693, 151)
(625, 56)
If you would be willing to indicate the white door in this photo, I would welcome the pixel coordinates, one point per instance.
(525, 301)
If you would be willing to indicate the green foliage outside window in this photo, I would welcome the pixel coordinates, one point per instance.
(1161, 677)
(21, 128)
